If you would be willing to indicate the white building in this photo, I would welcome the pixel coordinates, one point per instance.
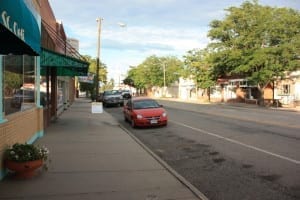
(287, 90)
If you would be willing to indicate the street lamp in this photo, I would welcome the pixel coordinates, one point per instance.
(99, 21)
(123, 25)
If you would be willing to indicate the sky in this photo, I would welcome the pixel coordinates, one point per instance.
(153, 27)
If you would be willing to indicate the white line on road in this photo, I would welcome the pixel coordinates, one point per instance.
(239, 143)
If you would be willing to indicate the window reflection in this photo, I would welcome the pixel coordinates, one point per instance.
(18, 81)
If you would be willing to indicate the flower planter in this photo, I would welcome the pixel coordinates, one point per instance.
(24, 169)
(24, 159)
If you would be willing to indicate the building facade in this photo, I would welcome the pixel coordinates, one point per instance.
(287, 90)
(37, 71)
(60, 63)
(21, 112)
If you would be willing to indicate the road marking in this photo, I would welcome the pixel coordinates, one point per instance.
(239, 143)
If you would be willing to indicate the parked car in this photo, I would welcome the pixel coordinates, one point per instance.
(26, 96)
(22, 96)
(112, 98)
(126, 94)
(144, 111)
(100, 97)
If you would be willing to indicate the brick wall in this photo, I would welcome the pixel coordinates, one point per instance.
(20, 127)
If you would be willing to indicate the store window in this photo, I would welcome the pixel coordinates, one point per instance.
(18, 83)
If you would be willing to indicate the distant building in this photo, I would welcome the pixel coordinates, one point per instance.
(72, 46)
(287, 89)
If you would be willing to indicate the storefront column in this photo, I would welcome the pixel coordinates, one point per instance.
(1, 90)
(38, 80)
(53, 81)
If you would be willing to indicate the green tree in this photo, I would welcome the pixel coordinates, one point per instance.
(12, 80)
(173, 67)
(128, 81)
(198, 68)
(93, 68)
(91, 88)
(87, 87)
(137, 76)
(256, 42)
(151, 72)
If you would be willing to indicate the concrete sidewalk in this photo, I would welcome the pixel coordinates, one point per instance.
(93, 158)
(234, 104)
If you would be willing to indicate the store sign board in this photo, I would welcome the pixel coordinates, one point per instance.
(97, 107)
(17, 18)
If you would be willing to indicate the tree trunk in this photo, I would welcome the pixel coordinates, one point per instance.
(261, 89)
(208, 94)
(261, 97)
(222, 92)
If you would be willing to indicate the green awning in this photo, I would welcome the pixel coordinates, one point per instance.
(65, 65)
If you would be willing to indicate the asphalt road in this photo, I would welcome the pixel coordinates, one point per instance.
(229, 152)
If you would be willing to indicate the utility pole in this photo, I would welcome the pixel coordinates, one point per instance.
(99, 21)
(164, 75)
(164, 89)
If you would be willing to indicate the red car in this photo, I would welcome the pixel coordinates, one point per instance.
(144, 111)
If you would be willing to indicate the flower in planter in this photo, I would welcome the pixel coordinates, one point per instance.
(27, 152)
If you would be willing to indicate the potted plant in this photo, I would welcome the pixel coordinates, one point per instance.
(24, 159)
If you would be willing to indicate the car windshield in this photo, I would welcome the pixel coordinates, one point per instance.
(112, 92)
(144, 104)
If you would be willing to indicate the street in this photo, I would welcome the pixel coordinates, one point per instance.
(228, 152)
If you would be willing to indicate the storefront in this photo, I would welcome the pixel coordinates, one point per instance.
(21, 115)
(60, 70)
(59, 65)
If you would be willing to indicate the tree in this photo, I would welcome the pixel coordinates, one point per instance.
(128, 81)
(198, 68)
(136, 77)
(93, 68)
(151, 72)
(87, 87)
(256, 42)
(12, 80)
(91, 88)
(173, 67)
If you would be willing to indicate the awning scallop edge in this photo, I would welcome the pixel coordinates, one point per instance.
(65, 65)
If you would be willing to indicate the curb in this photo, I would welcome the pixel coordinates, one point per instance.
(192, 188)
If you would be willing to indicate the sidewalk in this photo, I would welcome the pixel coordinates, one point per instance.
(195, 101)
(93, 158)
